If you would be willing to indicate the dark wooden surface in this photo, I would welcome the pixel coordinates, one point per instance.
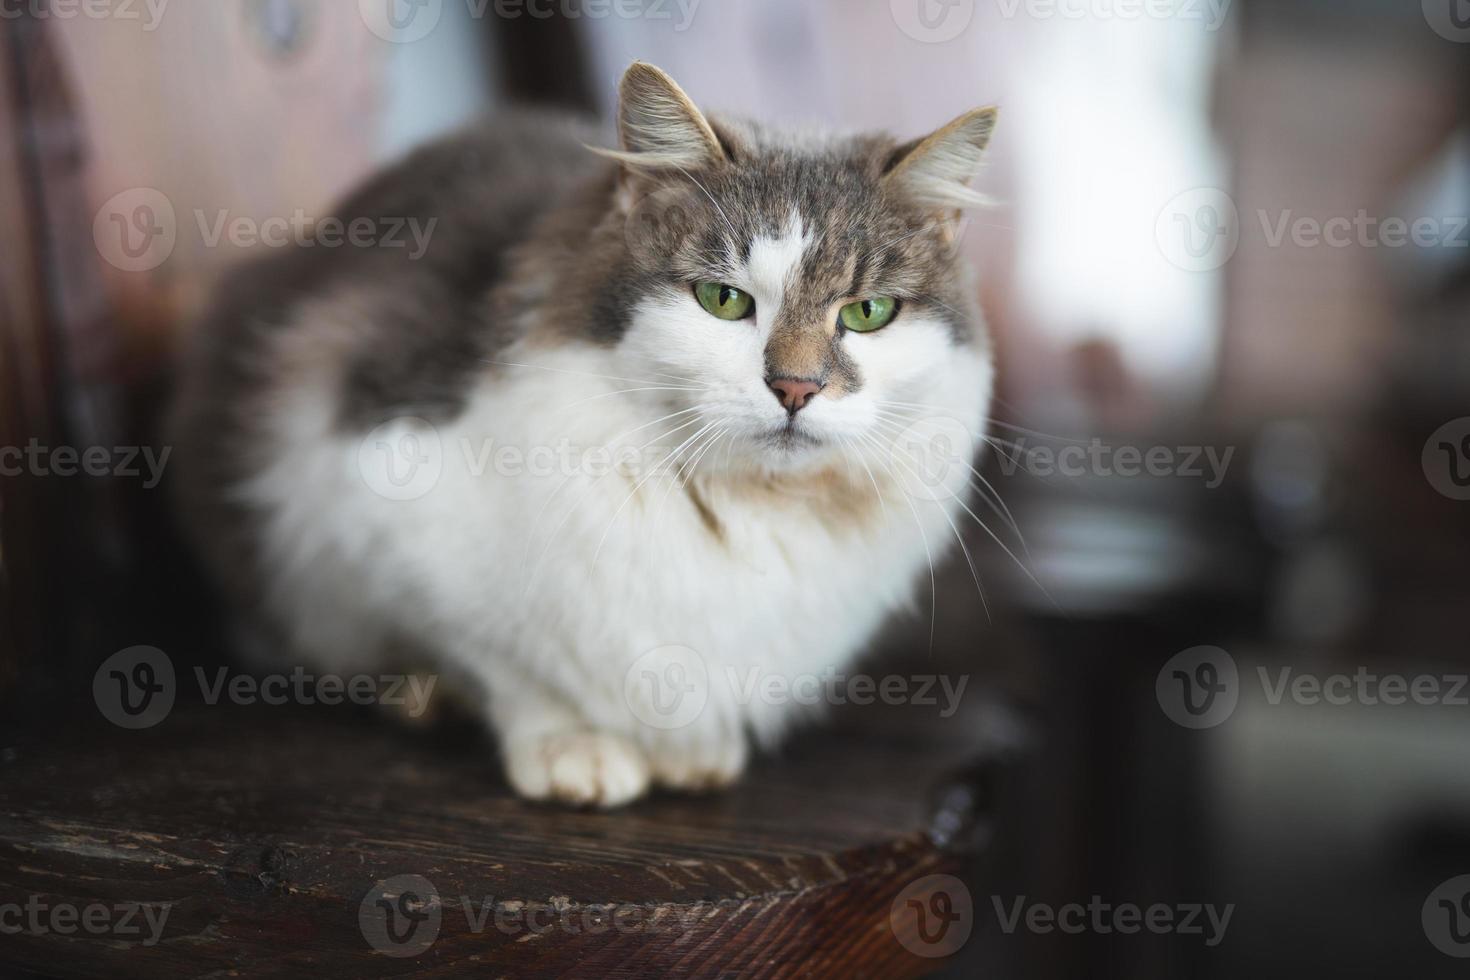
(266, 829)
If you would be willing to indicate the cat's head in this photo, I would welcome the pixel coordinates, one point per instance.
(807, 292)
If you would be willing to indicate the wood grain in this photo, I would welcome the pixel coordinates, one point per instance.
(266, 829)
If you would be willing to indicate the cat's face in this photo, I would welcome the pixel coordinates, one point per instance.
(800, 297)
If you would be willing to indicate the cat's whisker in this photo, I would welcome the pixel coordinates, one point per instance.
(882, 502)
(694, 383)
(663, 374)
(1013, 453)
(939, 302)
(558, 370)
(735, 235)
(884, 413)
(969, 560)
(725, 436)
(998, 505)
(729, 448)
(1012, 555)
(1033, 432)
(847, 456)
(998, 442)
(697, 458)
(688, 469)
(623, 391)
(929, 226)
(1003, 511)
(541, 513)
(678, 472)
(626, 500)
(921, 407)
(616, 440)
(904, 404)
(901, 238)
(994, 537)
(709, 443)
(928, 554)
(612, 445)
(676, 468)
(663, 500)
(591, 488)
(1009, 553)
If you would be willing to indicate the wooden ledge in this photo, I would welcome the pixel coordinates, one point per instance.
(283, 840)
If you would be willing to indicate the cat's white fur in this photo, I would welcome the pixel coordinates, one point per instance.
(495, 571)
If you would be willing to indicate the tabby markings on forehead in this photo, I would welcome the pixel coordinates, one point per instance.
(773, 264)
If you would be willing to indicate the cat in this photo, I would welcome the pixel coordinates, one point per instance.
(357, 430)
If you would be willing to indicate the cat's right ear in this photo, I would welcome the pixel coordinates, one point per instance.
(659, 128)
(936, 170)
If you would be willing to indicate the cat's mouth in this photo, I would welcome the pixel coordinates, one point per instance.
(792, 436)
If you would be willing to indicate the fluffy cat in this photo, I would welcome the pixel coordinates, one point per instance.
(741, 320)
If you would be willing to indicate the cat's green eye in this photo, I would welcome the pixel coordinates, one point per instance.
(867, 315)
(725, 302)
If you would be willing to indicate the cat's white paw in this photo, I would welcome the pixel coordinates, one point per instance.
(581, 768)
(698, 764)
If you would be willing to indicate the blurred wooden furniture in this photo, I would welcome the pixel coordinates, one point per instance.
(197, 110)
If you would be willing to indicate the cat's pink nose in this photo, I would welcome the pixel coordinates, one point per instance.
(793, 393)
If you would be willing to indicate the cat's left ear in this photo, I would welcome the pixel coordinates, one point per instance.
(936, 171)
(661, 131)
(659, 127)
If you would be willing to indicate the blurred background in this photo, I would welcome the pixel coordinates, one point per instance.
(1228, 272)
